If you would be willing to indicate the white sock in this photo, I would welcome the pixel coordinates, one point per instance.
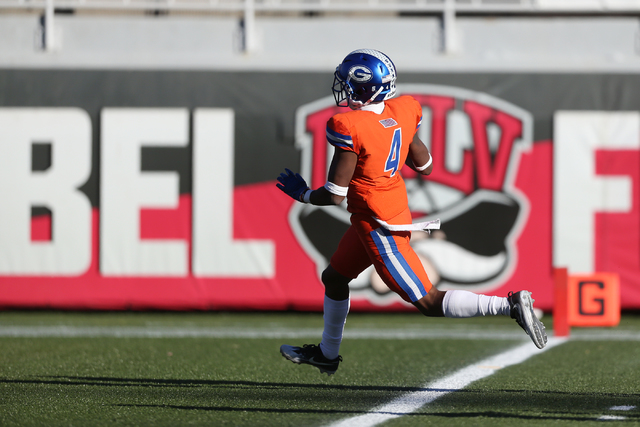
(459, 304)
(335, 316)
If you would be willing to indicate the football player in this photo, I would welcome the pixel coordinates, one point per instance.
(372, 141)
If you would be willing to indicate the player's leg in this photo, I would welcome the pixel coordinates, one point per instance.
(336, 286)
(349, 260)
(335, 310)
(395, 261)
(463, 304)
(400, 268)
(336, 303)
(402, 271)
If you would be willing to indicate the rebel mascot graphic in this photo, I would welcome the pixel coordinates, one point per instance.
(476, 141)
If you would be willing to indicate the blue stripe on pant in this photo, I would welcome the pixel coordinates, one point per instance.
(397, 265)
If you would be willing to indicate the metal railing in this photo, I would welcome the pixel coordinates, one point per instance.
(447, 9)
(460, 6)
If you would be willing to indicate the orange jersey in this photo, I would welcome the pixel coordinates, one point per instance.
(381, 142)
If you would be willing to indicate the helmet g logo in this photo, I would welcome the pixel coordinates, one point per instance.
(360, 74)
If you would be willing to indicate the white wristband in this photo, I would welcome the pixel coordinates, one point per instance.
(421, 168)
(306, 197)
(336, 189)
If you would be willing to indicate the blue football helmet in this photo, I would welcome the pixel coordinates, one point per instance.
(363, 77)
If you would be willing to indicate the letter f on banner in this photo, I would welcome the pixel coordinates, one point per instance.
(579, 191)
(68, 131)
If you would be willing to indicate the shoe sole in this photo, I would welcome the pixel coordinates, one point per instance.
(299, 361)
(534, 327)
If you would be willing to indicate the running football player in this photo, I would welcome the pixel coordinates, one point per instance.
(372, 141)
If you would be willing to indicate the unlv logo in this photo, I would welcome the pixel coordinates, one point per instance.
(476, 141)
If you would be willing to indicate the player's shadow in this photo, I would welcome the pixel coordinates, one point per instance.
(234, 395)
(348, 400)
(154, 382)
(245, 409)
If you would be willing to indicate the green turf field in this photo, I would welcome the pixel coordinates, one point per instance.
(221, 369)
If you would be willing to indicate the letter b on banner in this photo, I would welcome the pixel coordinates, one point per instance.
(594, 300)
(68, 132)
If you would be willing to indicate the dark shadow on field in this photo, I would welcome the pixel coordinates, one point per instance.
(352, 400)
(244, 409)
(589, 417)
(168, 382)
(154, 382)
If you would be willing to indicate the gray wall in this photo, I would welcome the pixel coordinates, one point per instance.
(524, 43)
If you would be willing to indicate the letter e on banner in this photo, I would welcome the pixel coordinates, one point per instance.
(125, 189)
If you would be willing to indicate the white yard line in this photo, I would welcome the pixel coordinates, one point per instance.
(252, 332)
(617, 417)
(623, 408)
(611, 418)
(440, 332)
(413, 401)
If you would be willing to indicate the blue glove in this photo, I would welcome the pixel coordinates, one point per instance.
(292, 184)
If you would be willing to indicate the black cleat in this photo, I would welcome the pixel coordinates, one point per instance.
(311, 355)
(522, 310)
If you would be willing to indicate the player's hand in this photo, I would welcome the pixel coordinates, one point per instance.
(292, 184)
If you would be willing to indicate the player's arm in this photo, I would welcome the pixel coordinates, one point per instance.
(343, 164)
(419, 157)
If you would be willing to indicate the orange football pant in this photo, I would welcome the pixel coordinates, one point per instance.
(366, 243)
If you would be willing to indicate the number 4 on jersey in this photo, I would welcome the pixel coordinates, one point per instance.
(393, 160)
